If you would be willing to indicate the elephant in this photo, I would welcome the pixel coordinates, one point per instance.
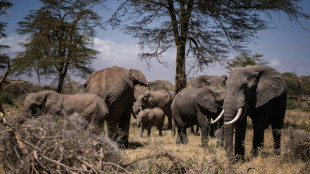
(116, 86)
(151, 117)
(138, 90)
(196, 106)
(208, 80)
(257, 91)
(151, 99)
(89, 106)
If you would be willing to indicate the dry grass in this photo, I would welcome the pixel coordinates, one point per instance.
(210, 159)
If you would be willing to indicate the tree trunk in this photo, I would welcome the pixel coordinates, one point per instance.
(180, 76)
(61, 77)
(60, 82)
(3, 79)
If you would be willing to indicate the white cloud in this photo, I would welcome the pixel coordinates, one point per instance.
(13, 40)
(275, 62)
(126, 55)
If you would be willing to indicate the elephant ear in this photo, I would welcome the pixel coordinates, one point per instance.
(150, 115)
(53, 102)
(200, 81)
(219, 95)
(206, 99)
(138, 77)
(270, 84)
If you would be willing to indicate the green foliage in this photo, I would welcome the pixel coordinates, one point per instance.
(292, 84)
(61, 33)
(4, 58)
(291, 104)
(306, 108)
(6, 98)
(245, 59)
(202, 32)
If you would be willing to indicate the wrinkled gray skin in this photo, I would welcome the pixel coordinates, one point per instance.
(138, 90)
(262, 91)
(89, 106)
(116, 86)
(193, 106)
(152, 99)
(207, 80)
(151, 117)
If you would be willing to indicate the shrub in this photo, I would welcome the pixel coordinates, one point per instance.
(298, 145)
(45, 146)
(5, 98)
(306, 108)
(291, 104)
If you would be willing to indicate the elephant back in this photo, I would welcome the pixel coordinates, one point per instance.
(110, 83)
(206, 80)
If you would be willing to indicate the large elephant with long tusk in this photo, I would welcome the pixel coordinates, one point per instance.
(261, 93)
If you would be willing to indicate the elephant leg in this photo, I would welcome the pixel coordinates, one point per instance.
(240, 137)
(219, 136)
(160, 130)
(212, 130)
(169, 115)
(113, 133)
(182, 136)
(204, 127)
(192, 130)
(258, 136)
(197, 130)
(142, 129)
(276, 132)
(124, 128)
(149, 127)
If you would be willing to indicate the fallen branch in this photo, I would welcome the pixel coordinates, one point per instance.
(179, 162)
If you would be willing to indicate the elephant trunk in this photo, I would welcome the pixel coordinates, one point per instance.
(139, 121)
(230, 112)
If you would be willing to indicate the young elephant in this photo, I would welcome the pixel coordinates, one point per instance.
(89, 106)
(151, 99)
(151, 117)
(195, 106)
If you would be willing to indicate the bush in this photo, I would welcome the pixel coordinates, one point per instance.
(306, 108)
(291, 104)
(55, 145)
(298, 145)
(5, 98)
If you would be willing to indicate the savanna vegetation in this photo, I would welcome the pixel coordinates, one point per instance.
(73, 149)
(202, 32)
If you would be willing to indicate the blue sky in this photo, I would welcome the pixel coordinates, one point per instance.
(287, 46)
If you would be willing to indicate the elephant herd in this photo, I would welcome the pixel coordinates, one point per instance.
(116, 93)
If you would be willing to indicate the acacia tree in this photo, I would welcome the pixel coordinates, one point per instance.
(61, 32)
(205, 30)
(4, 58)
(245, 59)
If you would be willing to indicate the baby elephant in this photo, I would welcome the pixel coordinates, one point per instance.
(89, 106)
(151, 117)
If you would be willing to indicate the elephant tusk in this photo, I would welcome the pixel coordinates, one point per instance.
(218, 118)
(236, 118)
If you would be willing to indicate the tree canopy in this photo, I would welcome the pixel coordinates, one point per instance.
(245, 59)
(4, 58)
(60, 36)
(201, 31)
